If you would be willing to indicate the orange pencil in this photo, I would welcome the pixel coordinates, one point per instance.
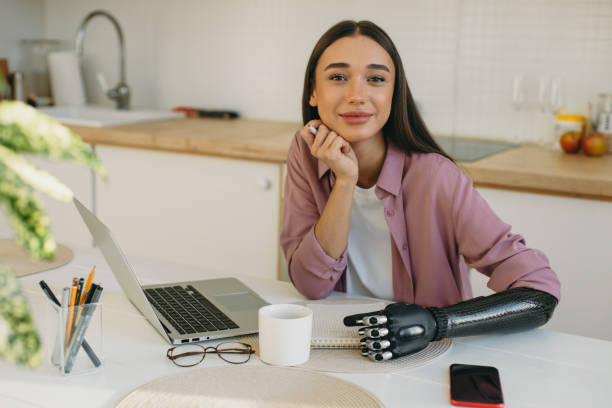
(73, 291)
(87, 285)
(85, 291)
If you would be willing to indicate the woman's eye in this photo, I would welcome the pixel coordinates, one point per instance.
(377, 78)
(337, 77)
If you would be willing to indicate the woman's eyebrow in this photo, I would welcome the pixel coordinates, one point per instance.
(378, 66)
(337, 65)
(346, 65)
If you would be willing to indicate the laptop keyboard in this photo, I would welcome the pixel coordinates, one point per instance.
(188, 310)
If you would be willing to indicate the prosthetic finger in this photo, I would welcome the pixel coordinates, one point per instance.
(374, 332)
(378, 355)
(375, 344)
(374, 320)
(358, 319)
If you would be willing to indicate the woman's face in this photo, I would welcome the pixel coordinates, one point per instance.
(354, 80)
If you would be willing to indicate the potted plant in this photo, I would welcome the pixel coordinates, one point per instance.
(25, 130)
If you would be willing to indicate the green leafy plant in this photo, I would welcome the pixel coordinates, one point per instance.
(25, 130)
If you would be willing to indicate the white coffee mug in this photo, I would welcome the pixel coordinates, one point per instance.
(285, 331)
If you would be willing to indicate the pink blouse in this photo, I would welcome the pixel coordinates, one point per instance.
(437, 221)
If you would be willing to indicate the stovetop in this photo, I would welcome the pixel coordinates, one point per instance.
(469, 150)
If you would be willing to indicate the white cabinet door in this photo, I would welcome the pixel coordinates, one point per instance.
(575, 236)
(66, 224)
(215, 213)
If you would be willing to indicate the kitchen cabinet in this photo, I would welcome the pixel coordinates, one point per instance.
(574, 234)
(215, 213)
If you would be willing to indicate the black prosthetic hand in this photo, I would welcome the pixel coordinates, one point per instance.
(402, 329)
(398, 330)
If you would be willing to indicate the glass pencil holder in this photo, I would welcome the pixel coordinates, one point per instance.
(77, 347)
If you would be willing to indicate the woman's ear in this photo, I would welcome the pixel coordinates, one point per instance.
(313, 99)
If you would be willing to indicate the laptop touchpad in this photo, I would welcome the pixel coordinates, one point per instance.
(238, 301)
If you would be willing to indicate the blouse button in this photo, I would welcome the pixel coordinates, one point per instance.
(405, 246)
(390, 213)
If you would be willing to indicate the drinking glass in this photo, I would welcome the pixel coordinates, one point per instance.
(557, 95)
(518, 91)
(518, 102)
(544, 93)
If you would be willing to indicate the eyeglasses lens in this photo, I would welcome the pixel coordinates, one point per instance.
(234, 352)
(188, 355)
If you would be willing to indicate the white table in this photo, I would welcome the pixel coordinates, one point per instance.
(539, 368)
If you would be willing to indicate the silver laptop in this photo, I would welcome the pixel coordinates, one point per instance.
(181, 312)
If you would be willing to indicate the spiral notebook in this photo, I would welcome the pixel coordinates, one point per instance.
(328, 330)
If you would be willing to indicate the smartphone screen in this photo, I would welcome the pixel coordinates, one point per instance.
(475, 386)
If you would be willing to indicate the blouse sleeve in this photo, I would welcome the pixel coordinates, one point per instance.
(489, 246)
(313, 272)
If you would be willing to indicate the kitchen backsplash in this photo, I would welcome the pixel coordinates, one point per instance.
(461, 56)
(19, 19)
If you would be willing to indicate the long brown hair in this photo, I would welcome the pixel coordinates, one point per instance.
(405, 127)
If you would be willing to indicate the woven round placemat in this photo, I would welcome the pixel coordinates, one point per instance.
(249, 385)
(13, 256)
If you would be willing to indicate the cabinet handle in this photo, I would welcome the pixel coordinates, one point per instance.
(265, 184)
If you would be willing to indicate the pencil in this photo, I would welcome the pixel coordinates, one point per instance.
(85, 291)
(87, 285)
(73, 291)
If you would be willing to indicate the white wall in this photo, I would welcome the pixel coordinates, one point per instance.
(460, 55)
(19, 19)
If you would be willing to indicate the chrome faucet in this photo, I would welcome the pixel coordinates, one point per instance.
(121, 92)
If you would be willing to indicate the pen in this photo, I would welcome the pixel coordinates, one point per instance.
(92, 355)
(80, 288)
(91, 293)
(73, 290)
(79, 334)
(65, 297)
(63, 316)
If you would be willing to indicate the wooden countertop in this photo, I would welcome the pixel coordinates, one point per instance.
(238, 138)
(527, 168)
(540, 170)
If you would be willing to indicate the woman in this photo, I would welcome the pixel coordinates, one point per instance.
(374, 207)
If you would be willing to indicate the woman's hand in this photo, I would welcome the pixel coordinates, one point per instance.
(333, 150)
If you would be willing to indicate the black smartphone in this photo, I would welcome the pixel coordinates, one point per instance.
(475, 386)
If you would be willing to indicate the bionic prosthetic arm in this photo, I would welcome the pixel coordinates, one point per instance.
(402, 329)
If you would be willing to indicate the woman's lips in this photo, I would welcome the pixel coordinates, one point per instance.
(355, 118)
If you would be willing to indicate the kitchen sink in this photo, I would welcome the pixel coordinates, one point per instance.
(98, 116)
(468, 150)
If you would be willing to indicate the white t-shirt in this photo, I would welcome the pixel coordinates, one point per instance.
(369, 248)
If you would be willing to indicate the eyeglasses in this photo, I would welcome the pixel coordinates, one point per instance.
(189, 355)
